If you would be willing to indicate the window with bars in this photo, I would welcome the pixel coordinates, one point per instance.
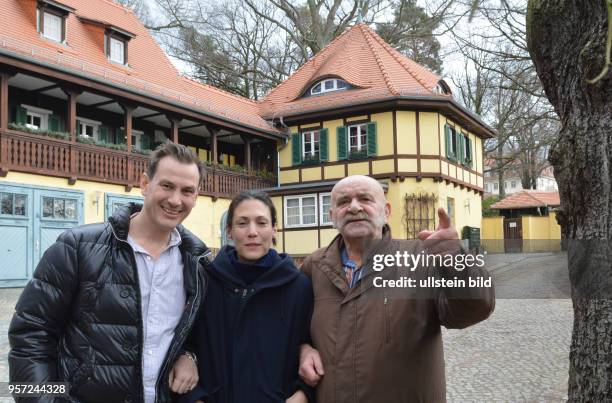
(420, 212)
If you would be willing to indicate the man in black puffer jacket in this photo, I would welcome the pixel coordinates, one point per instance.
(97, 314)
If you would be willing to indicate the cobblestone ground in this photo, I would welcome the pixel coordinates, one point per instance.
(520, 354)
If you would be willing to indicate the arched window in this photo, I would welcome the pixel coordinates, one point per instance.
(328, 85)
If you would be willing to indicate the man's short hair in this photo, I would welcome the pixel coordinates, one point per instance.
(179, 152)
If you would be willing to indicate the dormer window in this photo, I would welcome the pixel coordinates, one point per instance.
(328, 85)
(116, 50)
(51, 20)
(116, 44)
(442, 88)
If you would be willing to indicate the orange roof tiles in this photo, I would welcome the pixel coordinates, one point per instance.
(360, 57)
(84, 52)
(528, 199)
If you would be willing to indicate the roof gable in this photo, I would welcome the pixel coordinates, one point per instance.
(528, 199)
(364, 60)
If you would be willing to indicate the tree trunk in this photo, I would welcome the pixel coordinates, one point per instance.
(567, 42)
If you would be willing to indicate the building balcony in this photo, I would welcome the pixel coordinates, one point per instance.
(44, 155)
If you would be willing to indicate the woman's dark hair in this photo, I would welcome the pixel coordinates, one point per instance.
(250, 195)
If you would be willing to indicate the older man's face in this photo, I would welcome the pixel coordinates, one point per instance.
(359, 208)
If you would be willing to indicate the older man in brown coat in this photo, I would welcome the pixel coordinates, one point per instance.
(370, 345)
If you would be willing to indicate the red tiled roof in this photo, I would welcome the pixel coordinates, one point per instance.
(363, 59)
(528, 199)
(84, 52)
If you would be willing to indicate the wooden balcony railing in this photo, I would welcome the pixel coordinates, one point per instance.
(27, 152)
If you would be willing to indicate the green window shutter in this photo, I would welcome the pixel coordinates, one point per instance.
(341, 138)
(103, 134)
(296, 148)
(20, 115)
(323, 145)
(469, 148)
(460, 147)
(145, 142)
(447, 137)
(372, 139)
(54, 123)
(120, 137)
(78, 128)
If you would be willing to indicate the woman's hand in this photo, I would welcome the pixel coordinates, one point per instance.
(184, 375)
(298, 397)
(311, 366)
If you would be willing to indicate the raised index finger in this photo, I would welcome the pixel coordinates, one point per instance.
(445, 221)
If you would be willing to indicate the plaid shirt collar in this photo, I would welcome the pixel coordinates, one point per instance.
(352, 272)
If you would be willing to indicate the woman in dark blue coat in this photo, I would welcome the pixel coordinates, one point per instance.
(255, 315)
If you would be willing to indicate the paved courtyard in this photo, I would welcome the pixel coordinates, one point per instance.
(520, 354)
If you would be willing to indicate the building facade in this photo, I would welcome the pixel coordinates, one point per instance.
(86, 93)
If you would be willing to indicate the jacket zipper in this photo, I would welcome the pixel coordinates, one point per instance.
(178, 339)
(387, 319)
(138, 307)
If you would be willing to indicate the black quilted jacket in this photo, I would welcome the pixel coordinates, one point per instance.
(79, 319)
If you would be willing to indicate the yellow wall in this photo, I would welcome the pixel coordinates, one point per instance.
(384, 132)
(204, 220)
(429, 133)
(359, 168)
(492, 228)
(327, 235)
(406, 132)
(432, 166)
(541, 234)
(382, 166)
(311, 174)
(432, 143)
(290, 176)
(301, 242)
(334, 171)
(407, 165)
(332, 146)
(467, 204)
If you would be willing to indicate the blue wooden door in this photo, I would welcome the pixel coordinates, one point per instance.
(16, 235)
(113, 201)
(55, 212)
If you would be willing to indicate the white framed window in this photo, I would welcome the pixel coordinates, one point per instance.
(53, 26)
(116, 50)
(450, 209)
(37, 118)
(310, 144)
(496, 186)
(328, 85)
(88, 128)
(300, 211)
(136, 137)
(513, 184)
(358, 138)
(325, 203)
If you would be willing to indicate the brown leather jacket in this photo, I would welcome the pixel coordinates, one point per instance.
(381, 347)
